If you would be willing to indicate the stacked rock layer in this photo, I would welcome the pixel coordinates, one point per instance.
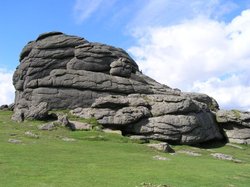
(236, 125)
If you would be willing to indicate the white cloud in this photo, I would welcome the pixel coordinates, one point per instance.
(231, 93)
(202, 55)
(6, 87)
(83, 9)
(167, 12)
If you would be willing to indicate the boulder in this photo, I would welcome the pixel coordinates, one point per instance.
(121, 67)
(210, 102)
(236, 125)
(4, 107)
(76, 125)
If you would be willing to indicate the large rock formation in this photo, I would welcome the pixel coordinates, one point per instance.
(59, 71)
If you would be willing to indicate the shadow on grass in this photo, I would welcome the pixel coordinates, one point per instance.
(211, 144)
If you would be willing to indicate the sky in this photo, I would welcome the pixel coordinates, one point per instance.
(194, 45)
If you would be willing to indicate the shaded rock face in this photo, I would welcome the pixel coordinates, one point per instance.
(59, 71)
(236, 125)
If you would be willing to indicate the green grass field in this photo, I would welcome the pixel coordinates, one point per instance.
(108, 160)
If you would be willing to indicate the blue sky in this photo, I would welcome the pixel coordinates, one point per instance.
(170, 39)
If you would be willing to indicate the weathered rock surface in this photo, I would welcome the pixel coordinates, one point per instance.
(209, 102)
(236, 125)
(162, 117)
(59, 71)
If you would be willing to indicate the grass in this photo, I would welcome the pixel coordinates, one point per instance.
(107, 160)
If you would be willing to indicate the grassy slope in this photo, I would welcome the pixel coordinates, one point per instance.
(98, 159)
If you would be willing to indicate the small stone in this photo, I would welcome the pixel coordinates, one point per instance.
(32, 135)
(173, 154)
(158, 157)
(190, 153)
(76, 125)
(66, 139)
(14, 141)
(222, 156)
(164, 147)
(225, 157)
(48, 127)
